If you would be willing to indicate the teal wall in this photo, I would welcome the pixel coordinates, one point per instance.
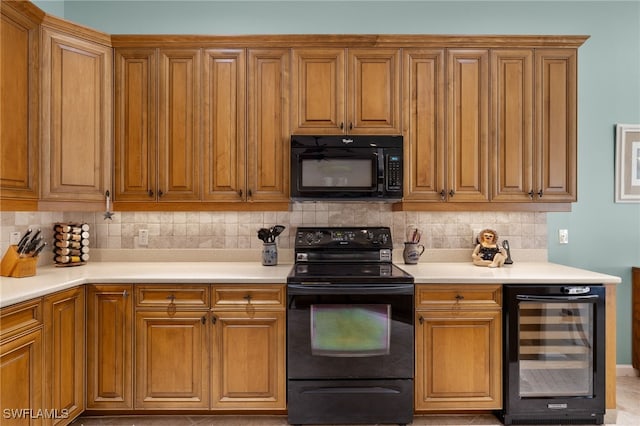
(603, 236)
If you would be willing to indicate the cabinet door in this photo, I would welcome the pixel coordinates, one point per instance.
(76, 118)
(458, 360)
(18, 105)
(179, 125)
(135, 124)
(373, 91)
(64, 353)
(171, 359)
(468, 125)
(512, 125)
(268, 125)
(223, 117)
(318, 95)
(109, 347)
(248, 363)
(555, 125)
(424, 143)
(22, 379)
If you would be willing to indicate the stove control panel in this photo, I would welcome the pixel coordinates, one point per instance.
(347, 238)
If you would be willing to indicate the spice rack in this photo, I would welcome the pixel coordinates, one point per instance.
(71, 244)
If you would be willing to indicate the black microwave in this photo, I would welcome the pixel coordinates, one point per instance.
(346, 168)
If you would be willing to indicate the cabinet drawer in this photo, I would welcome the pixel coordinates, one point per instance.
(183, 296)
(461, 296)
(20, 318)
(238, 296)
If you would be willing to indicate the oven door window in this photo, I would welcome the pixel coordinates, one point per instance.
(346, 172)
(346, 330)
(556, 342)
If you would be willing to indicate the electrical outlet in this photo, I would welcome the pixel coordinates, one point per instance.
(563, 236)
(474, 236)
(143, 237)
(14, 238)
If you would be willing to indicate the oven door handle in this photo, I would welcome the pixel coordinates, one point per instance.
(313, 289)
(529, 298)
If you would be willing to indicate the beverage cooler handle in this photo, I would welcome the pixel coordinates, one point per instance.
(529, 298)
(315, 289)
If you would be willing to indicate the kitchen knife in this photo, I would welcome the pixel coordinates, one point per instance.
(24, 240)
(37, 251)
(34, 242)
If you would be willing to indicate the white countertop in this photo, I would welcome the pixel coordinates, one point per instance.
(50, 279)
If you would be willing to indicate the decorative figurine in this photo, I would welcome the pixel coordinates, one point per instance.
(488, 252)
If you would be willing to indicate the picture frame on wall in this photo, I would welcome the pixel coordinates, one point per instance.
(627, 163)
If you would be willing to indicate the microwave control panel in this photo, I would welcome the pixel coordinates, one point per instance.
(394, 172)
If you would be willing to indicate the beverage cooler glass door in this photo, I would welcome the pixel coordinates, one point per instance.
(556, 343)
(554, 353)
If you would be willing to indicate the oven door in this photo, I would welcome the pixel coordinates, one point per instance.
(350, 331)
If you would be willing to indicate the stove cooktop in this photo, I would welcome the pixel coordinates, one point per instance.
(366, 273)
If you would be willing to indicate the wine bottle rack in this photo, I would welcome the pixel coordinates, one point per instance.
(70, 243)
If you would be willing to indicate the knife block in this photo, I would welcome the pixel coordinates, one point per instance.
(15, 266)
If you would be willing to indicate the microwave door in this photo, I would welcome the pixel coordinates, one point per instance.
(335, 174)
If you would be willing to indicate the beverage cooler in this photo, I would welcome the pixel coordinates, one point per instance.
(554, 366)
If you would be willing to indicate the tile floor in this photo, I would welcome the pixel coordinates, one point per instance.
(627, 413)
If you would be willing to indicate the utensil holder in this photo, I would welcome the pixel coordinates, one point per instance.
(412, 252)
(269, 254)
(15, 266)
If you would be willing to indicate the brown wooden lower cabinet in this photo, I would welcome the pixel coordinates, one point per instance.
(21, 364)
(109, 347)
(248, 363)
(64, 354)
(458, 347)
(172, 359)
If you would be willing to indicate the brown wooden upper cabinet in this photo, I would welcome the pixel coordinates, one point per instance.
(452, 163)
(352, 91)
(157, 122)
(511, 125)
(534, 131)
(201, 125)
(76, 116)
(268, 125)
(19, 123)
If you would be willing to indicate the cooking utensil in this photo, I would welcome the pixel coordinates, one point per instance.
(275, 231)
(263, 234)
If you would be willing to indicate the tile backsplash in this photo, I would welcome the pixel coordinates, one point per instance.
(238, 230)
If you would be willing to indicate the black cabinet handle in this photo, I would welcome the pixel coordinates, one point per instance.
(452, 193)
(350, 126)
(342, 125)
(240, 193)
(150, 193)
(443, 195)
(250, 193)
(213, 319)
(248, 298)
(421, 319)
(160, 193)
(540, 194)
(530, 194)
(203, 319)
